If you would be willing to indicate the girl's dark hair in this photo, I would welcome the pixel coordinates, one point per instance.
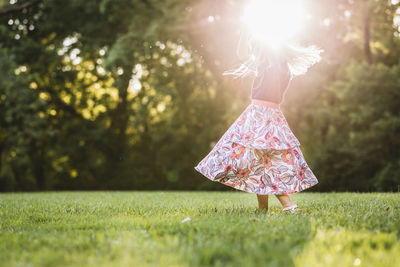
(257, 56)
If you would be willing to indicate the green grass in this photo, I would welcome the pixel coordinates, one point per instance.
(226, 229)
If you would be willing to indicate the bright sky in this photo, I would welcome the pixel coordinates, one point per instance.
(274, 22)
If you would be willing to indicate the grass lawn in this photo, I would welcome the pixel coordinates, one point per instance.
(139, 228)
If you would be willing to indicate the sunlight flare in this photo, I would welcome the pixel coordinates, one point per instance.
(274, 22)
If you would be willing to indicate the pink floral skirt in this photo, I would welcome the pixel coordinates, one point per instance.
(259, 154)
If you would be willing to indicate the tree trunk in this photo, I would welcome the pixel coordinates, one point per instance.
(37, 160)
(367, 37)
(117, 130)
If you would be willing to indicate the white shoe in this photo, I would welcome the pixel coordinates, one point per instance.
(291, 209)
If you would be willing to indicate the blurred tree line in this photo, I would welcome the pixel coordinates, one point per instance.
(129, 94)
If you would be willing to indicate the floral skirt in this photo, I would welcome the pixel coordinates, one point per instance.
(259, 154)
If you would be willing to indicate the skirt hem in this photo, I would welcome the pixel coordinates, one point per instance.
(288, 192)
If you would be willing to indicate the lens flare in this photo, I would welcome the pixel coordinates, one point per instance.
(274, 21)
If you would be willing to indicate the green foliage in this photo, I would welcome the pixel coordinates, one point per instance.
(225, 229)
(363, 128)
(24, 132)
(92, 128)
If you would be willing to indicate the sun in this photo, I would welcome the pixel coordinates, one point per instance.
(274, 21)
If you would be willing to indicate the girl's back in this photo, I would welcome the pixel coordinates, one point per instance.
(272, 83)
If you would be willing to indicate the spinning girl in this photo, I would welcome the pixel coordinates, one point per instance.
(259, 153)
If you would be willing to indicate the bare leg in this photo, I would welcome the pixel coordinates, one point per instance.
(262, 202)
(285, 200)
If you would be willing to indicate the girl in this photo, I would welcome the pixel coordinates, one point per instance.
(259, 153)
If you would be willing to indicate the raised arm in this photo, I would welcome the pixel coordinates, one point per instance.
(242, 50)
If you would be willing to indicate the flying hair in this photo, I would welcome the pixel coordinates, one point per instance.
(256, 55)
